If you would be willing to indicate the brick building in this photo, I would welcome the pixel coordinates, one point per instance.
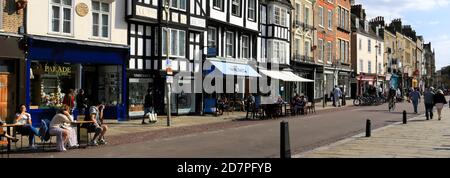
(11, 57)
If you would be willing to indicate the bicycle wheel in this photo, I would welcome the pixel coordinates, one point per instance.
(357, 102)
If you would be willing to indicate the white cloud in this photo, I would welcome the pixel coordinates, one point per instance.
(442, 53)
(394, 9)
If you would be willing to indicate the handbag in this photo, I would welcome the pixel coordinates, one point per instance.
(153, 117)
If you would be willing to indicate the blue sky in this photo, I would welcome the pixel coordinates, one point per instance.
(430, 18)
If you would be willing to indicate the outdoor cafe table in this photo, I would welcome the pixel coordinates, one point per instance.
(271, 109)
(79, 123)
(8, 131)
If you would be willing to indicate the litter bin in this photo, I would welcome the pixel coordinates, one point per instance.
(343, 100)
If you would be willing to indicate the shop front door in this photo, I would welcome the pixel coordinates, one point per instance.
(7, 93)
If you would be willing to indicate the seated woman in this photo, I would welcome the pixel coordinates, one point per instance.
(4, 134)
(60, 126)
(301, 103)
(22, 117)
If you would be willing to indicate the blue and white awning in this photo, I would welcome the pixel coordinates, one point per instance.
(287, 76)
(235, 69)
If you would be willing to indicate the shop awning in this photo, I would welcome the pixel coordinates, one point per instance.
(287, 76)
(235, 69)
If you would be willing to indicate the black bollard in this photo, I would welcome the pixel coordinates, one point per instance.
(285, 147)
(405, 121)
(368, 128)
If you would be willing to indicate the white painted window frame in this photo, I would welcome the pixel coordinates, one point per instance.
(178, 4)
(253, 9)
(246, 46)
(214, 37)
(282, 16)
(61, 18)
(227, 44)
(239, 8)
(220, 7)
(180, 53)
(321, 16)
(100, 20)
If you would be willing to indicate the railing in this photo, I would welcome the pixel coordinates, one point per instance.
(298, 24)
(303, 58)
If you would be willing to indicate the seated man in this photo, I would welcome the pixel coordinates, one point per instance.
(96, 115)
(301, 105)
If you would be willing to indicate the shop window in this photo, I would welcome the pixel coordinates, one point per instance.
(50, 82)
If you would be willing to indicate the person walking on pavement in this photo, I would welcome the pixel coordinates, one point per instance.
(414, 96)
(439, 102)
(429, 102)
(251, 106)
(337, 96)
(148, 105)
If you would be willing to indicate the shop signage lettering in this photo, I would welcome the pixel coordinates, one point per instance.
(237, 69)
(58, 70)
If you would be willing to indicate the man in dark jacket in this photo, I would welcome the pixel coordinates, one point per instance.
(429, 102)
(148, 105)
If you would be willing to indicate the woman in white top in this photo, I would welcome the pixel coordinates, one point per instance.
(60, 126)
(24, 118)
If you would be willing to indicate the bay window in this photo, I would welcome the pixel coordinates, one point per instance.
(280, 16)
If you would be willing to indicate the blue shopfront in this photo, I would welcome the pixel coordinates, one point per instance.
(57, 66)
(240, 74)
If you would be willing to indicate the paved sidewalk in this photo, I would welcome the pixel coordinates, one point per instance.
(418, 139)
(135, 126)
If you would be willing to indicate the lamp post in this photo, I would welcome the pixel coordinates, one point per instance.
(323, 67)
(376, 63)
(169, 70)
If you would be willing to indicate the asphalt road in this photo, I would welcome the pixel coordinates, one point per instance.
(256, 140)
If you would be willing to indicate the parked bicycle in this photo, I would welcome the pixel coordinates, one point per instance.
(369, 101)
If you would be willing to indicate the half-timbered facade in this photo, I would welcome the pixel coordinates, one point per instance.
(232, 35)
(148, 27)
(275, 38)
